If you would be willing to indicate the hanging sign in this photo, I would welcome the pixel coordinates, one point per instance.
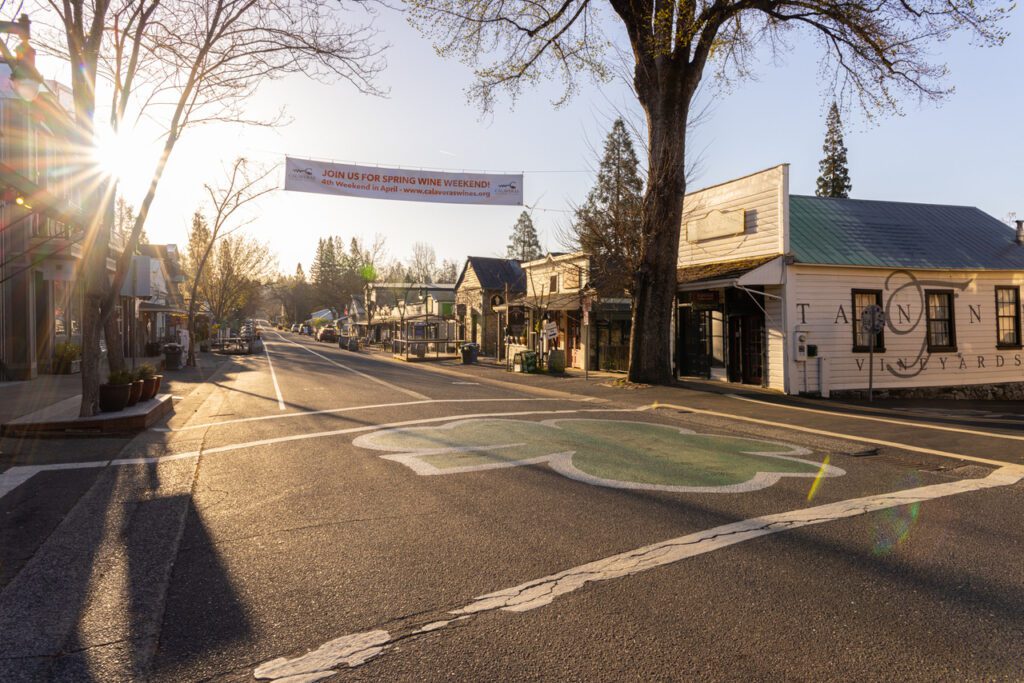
(372, 182)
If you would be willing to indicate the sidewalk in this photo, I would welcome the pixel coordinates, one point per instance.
(21, 398)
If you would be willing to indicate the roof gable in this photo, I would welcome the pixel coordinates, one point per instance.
(860, 232)
(495, 273)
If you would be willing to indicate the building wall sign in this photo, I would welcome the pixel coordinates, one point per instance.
(372, 182)
(824, 308)
(716, 223)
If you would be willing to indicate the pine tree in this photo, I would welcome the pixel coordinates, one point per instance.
(607, 225)
(316, 273)
(523, 243)
(834, 178)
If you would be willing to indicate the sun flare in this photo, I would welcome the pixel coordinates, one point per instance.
(120, 156)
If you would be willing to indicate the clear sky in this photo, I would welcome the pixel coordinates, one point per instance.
(969, 150)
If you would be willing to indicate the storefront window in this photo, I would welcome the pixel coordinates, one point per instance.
(1008, 317)
(862, 298)
(717, 338)
(941, 330)
(65, 310)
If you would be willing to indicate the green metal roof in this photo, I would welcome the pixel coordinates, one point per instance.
(858, 232)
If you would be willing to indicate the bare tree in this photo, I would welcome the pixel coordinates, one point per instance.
(240, 270)
(236, 260)
(872, 52)
(183, 63)
(447, 272)
(423, 263)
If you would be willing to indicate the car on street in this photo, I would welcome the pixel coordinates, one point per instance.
(327, 334)
(295, 327)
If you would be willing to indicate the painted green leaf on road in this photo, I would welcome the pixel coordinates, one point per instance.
(620, 454)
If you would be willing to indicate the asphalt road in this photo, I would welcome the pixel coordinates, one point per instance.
(316, 514)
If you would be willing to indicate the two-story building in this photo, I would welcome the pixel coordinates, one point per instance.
(406, 310)
(40, 250)
(773, 289)
(159, 314)
(564, 310)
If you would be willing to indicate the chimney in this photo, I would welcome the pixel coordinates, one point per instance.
(1020, 232)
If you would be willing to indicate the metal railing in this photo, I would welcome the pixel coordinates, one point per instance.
(422, 349)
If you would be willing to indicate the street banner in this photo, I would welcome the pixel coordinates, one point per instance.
(372, 182)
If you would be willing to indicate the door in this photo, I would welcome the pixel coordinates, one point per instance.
(693, 342)
(753, 349)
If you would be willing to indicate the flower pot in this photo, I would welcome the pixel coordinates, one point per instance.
(149, 386)
(114, 397)
(159, 380)
(136, 392)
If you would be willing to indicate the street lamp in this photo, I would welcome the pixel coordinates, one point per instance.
(25, 79)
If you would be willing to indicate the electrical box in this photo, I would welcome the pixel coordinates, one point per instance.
(800, 341)
(812, 350)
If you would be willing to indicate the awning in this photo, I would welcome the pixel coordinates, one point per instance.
(146, 307)
(760, 271)
(564, 302)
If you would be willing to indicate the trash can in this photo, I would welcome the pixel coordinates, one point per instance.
(529, 361)
(172, 356)
(470, 352)
(556, 361)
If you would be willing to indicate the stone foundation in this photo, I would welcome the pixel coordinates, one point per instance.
(1007, 391)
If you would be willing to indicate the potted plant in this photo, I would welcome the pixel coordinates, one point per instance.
(67, 358)
(115, 393)
(150, 381)
(136, 389)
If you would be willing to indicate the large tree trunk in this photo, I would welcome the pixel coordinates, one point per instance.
(94, 263)
(90, 355)
(654, 290)
(115, 344)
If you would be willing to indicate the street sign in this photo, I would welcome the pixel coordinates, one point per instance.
(550, 329)
(872, 319)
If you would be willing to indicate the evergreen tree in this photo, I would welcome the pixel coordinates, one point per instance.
(198, 240)
(607, 225)
(523, 243)
(300, 275)
(316, 274)
(834, 178)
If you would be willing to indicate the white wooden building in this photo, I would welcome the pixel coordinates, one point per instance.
(772, 289)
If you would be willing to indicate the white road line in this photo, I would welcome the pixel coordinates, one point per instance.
(356, 649)
(837, 435)
(15, 476)
(407, 392)
(329, 411)
(273, 375)
(907, 423)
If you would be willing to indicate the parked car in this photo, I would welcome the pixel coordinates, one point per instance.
(327, 334)
(295, 327)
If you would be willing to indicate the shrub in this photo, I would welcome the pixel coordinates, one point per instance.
(65, 352)
(145, 371)
(120, 377)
